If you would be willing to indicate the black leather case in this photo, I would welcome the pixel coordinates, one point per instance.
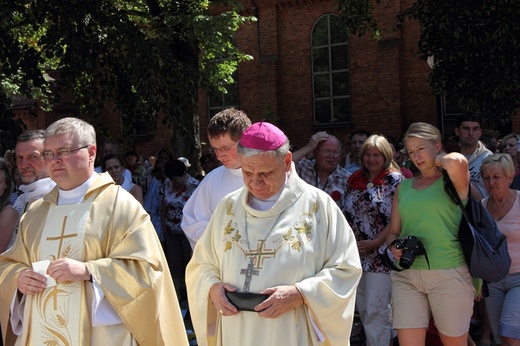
(246, 301)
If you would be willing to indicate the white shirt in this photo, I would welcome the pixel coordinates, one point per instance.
(212, 189)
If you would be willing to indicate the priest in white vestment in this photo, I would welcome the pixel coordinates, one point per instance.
(87, 267)
(280, 237)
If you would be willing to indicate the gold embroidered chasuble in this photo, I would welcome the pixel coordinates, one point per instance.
(54, 314)
(122, 252)
(311, 245)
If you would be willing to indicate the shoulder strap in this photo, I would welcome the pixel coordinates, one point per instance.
(454, 195)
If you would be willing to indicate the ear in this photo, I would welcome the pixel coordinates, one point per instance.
(92, 150)
(288, 161)
(438, 147)
(456, 131)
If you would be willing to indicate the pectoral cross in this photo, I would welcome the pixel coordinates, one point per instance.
(261, 253)
(60, 238)
(249, 272)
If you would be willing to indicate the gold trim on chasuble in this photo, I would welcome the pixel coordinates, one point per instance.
(56, 312)
(259, 254)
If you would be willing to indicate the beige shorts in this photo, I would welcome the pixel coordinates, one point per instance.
(445, 294)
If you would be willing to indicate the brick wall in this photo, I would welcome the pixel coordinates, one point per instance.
(388, 82)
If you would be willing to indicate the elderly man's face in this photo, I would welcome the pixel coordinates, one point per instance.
(264, 175)
(328, 154)
(69, 171)
(29, 160)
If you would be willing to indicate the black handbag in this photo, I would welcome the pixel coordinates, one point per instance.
(484, 246)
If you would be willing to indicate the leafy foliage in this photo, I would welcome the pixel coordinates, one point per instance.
(358, 18)
(475, 46)
(148, 56)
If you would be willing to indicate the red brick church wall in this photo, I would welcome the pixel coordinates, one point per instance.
(388, 82)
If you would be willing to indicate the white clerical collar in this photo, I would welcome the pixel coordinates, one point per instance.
(75, 195)
(266, 204)
(235, 171)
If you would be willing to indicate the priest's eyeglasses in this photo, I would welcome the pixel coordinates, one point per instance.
(33, 157)
(223, 149)
(61, 153)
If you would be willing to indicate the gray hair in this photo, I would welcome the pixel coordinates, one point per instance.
(80, 129)
(501, 160)
(29, 135)
(278, 153)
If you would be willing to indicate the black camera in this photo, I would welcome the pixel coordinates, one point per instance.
(412, 247)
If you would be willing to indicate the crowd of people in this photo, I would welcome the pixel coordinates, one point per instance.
(272, 244)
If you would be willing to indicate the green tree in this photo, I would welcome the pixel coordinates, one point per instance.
(475, 47)
(150, 57)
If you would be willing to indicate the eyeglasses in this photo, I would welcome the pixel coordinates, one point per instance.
(330, 153)
(223, 149)
(30, 157)
(61, 153)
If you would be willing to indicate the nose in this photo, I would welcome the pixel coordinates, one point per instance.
(22, 162)
(257, 181)
(413, 155)
(218, 154)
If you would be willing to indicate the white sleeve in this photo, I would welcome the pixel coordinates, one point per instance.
(127, 174)
(103, 314)
(17, 309)
(196, 213)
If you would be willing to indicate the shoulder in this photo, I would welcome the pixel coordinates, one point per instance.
(9, 212)
(394, 177)
(136, 189)
(406, 183)
(305, 163)
(215, 176)
(342, 172)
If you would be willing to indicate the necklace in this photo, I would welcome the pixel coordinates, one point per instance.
(250, 270)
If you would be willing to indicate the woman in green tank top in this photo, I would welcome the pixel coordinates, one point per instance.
(438, 285)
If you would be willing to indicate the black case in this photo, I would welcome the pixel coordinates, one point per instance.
(246, 301)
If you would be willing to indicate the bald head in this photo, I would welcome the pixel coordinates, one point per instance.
(328, 154)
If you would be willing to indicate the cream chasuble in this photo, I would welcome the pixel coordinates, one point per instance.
(303, 240)
(55, 318)
(113, 235)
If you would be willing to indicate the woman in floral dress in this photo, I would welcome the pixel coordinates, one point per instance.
(367, 206)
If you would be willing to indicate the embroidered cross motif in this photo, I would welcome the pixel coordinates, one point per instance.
(60, 238)
(260, 254)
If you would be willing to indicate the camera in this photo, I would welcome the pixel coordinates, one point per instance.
(412, 247)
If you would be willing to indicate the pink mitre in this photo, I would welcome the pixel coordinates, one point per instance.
(263, 136)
